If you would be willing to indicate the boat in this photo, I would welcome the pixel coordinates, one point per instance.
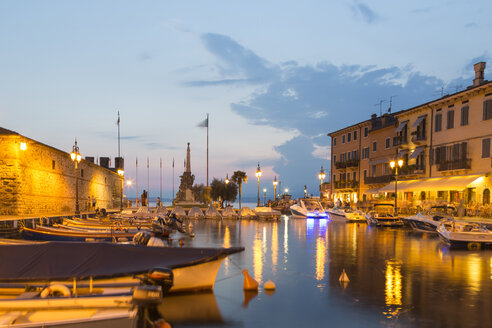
(58, 234)
(346, 214)
(247, 213)
(461, 234)
(429, 220)
(195, 213)
(179, 212)
(267, 213)
(229, 213)
(212, 213)
(308, 208)
(382, 215)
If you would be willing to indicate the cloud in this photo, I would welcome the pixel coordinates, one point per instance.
(361, 10)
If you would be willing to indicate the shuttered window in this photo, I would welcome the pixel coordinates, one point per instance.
(450, 117)
(464, 115)
(485, 148)
(438, 124)
(487, 109)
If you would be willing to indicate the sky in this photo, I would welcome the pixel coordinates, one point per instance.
(275, 77)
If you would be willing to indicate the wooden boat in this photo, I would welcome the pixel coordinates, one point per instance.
(460, 234)
(57, 234)
(382, 215)
(308, 208)
(428, 221)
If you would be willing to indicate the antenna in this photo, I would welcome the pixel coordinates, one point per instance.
(380, 104)
(391, 103)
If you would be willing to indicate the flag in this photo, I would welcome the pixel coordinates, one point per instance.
(136, 161)
(118, 121)
(173, 162)
(161, 163)
(203, 124)
(147, 162)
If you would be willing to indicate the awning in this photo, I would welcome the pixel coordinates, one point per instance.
(401, 126)
(402, 153)
(372, 191)
(436, 184)
(416, 152)
(419, 120)
(379, 161)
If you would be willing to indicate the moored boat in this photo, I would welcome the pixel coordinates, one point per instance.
(346, 214)
(308, 208)
(267, 213)
(461, 234)
(428, 221)
(195, 213)
(212, 213)
(229, 213)
(247, 213)
(382, 215)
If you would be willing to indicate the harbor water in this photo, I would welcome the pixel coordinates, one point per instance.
(398, 278)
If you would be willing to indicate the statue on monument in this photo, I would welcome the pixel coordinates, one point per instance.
(185, 193)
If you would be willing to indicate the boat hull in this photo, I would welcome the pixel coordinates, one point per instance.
(421, 226)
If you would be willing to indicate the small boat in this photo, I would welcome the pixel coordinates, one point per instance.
(179, 212)
(346, 214)
(247, 213)
(195, 213)
(382, 215)
(308, 208)
(161, 210)
(267, 213)
(429, 220)
(58, 234)
(229, 213)
(460, 234)
(212, 213)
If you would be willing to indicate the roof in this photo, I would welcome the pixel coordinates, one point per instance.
(6, 131)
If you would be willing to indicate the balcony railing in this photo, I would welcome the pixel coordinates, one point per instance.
(418, 138)
(399, 141)
(379, 179)
(349, 184)
(461, 164)
(345, 164)
(411, 170)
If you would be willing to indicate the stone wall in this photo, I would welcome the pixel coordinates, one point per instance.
(41, 180)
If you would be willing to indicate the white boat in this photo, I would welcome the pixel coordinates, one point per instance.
(229, 213)
(460, 234)
(267, 213)
(382, 215)
(212, 213)
(346, 214)
(429, 220)
(247, 213)
(308, 208)
(195, 213)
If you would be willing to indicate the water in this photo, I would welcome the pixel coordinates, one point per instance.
(397, 278)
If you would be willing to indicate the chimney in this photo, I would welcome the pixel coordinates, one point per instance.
(89, 159)
(104, 162)
(479, 68)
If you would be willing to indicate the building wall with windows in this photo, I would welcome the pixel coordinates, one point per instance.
(40, 180)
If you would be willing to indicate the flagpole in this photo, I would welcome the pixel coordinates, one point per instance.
(118, 134)
(173, 179)
(161, 179)
(136, 181)
(207, 148)
(148, 182)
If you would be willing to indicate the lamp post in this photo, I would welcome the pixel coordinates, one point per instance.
(258, 175)
(227, 179)
(264, 196)
(128, 185)
(321, 177)
(76, 158)
(305, 191)
(275, 182)
(395, 165)
(121, 173)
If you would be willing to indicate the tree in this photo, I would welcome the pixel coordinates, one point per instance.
(198, 191)
(238, 178)
(223, 191)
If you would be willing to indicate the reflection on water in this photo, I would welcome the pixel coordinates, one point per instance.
(393, 289)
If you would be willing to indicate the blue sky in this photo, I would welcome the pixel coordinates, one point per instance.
(275, 76)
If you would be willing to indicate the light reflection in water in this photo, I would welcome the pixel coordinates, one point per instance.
(257, 257)
(286, 238)
(320, 258)
(226, 244)
(393, 287)
(274, 246)
(474, 273)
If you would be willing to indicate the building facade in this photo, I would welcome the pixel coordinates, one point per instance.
(444, 145)
(36, 179)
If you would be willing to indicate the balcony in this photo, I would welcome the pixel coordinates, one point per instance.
(399, 141)
(411, 170)
(461, 164)
(418, 139)
(349, 184)
(345, 164)
(379, 179)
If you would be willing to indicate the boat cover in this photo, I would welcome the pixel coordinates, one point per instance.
(67, 260)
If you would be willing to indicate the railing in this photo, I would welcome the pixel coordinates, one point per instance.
(460, 164)
(418, 138)
(411, 169)
(349, 184)
(399, 141)
(345, 164)
(379, 179)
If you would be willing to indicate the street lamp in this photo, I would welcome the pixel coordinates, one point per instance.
(286, 191)
(305, 191)
(395, 165)
(264, 196)
(321, 177)
(227, 179)
(121, 173)
(258, 175)
(76, 158)
(275, 182)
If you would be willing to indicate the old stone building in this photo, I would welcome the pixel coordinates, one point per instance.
(36, 179)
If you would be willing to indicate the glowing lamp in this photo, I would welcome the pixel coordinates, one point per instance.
(121, 172)
(23, 146)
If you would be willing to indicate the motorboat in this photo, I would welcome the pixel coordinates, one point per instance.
(267, 213)
(382, 215)
(212, 213)
(346, 214)
(195, 213)
(308, 208)
(229, 213)
(464, 234)
(429, 220)
(247, 213)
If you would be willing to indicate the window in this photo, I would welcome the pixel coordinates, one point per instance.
(335, 141)
(334, 158)
(53, 164)
(334, 177)
(355, 135)
(349, 136)
(82, 173)
(365, 153)
(464, 115)
(388, 140)
(485, 148)
(450, 122)
(438, 125)
(487, 109)
(366, 132)
(365, 174)
(374, 146)
(349, 156)
(354, 176)
(355, 154)
(105, 180)
(343, 139)
(373, 168)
